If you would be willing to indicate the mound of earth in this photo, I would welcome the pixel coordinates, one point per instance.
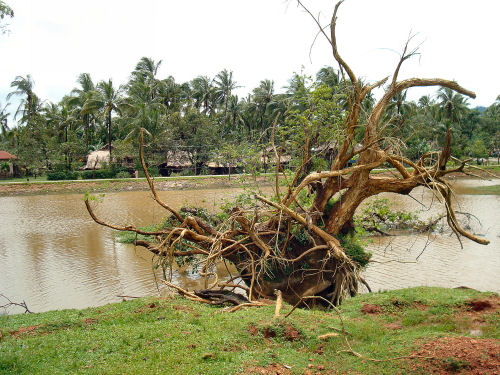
(459, 355)
(272, 369)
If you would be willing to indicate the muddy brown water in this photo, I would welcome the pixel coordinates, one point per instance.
(53, 256)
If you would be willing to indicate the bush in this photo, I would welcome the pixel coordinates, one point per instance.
(354, 249)
(98, 174)
(63, 175)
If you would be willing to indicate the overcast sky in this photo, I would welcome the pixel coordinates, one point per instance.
(56, 40)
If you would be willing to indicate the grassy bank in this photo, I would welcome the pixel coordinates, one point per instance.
(177, 336)
(484, 190)
(21, 186)
(37, 187)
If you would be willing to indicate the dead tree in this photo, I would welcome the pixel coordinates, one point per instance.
(264, 243)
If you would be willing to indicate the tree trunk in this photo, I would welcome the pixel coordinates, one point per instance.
(109, 136)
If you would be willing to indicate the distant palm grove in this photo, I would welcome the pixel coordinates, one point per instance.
(203, 122)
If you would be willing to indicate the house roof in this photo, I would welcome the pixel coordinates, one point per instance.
(177, 159)
(96, 158)
(4, 155)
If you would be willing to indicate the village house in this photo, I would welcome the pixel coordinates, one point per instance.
(100, 158)
(6, 164)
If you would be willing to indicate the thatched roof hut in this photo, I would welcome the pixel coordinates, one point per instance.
(175, 161)
(96, 159)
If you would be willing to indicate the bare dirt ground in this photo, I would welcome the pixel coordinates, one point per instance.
(459, 355)
(463, 355)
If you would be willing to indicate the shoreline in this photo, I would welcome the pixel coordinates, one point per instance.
(21, 188)
(34, 187)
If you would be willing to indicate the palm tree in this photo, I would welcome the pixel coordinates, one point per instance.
(425, 102)
(148, 117)
(5, 11)
(328, 76)
(172, 94)
(203, 92)
(453, 105)
(83, 94)
(224, 86)
(398, 109)
(235, 109)
(24, 86)
(4, 127)
(145, 72)
(262, 95)
(29, 111)
(107, 100)
(61, 119)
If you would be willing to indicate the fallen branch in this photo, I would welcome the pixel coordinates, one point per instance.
(185, 293)
(12, 303)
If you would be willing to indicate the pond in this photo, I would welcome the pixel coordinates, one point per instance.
(53, 256)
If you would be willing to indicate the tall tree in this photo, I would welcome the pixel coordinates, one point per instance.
(145, 73)
(24, 88)
(262, 96)
(5, 11)
(4, 115)
(83, 94)
(107, 99)
(203, 93)
(224, 86)
(453, 105)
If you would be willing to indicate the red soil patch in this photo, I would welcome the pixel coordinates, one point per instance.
(319, 350)
(90, 321)
(291, 334)
(393, 325)
(272, 369)
(269, 332)
(253, 330)
(369, 308)
(471, 317)
(182, 308)
(452, 355)
(287, 332)
(419, 306)
(489, 304)
(25, 330)
(149, 306)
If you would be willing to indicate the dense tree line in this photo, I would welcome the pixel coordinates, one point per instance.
(204, 118)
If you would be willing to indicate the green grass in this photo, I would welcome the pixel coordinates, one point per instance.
(42, 178)
(484, 190)
(177, 336)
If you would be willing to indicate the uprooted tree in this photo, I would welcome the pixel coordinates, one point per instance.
(303, 250)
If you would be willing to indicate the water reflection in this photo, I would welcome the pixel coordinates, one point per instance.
(441, 259)
(54, 256)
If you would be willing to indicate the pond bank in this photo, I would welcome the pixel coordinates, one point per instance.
(127, 184)
(34, 187)
(455, 329)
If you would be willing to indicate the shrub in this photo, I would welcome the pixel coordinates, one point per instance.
(63, 175)
(354, 249)
(98, 174)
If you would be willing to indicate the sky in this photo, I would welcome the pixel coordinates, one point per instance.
(56, 40)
